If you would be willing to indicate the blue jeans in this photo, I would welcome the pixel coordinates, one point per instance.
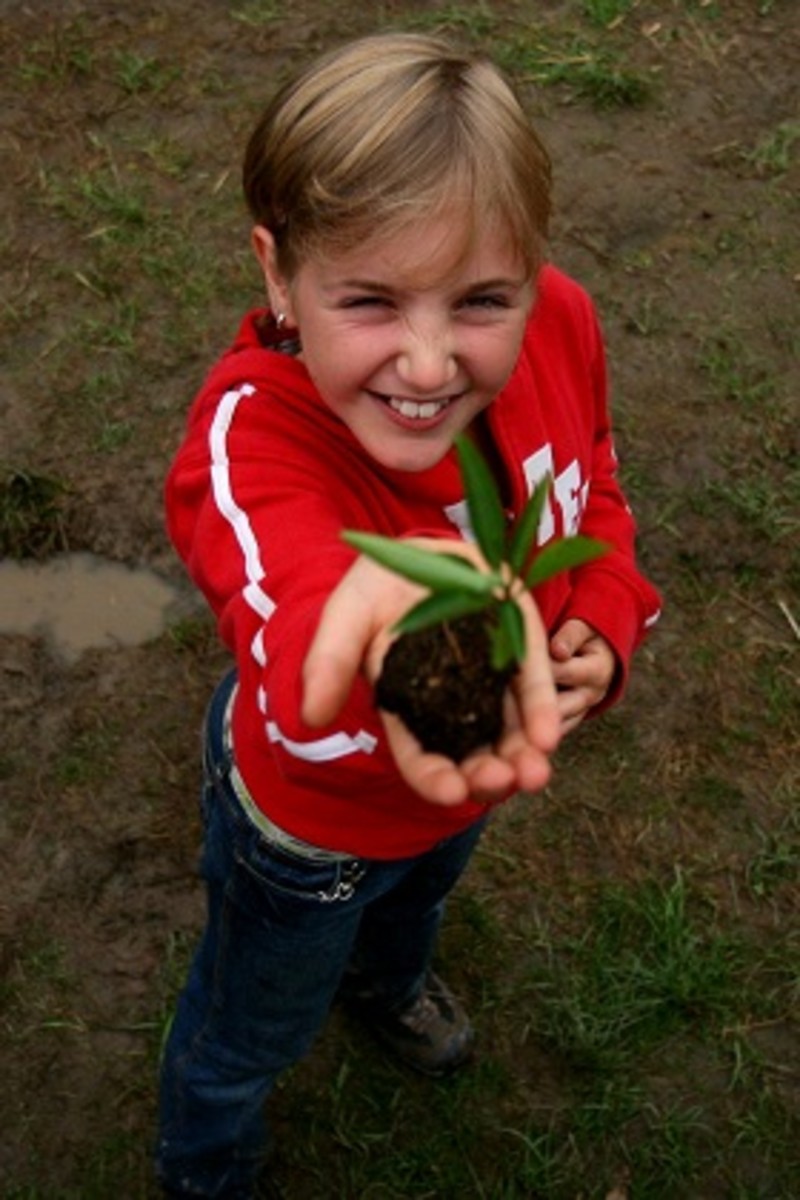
(281, 930)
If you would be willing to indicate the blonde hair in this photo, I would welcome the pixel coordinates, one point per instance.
(389, 130)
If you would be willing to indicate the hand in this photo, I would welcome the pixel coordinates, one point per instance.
(355, 633)
(583, 668)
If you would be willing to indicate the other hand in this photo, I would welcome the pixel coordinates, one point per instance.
(583, 668)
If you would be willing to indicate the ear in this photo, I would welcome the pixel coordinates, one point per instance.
(278, 290)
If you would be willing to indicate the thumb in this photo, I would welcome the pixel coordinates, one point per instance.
(567, 640)
(335, 655)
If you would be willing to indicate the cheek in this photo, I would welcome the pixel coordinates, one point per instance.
(348, 361)
(332, 374)
(497, 363)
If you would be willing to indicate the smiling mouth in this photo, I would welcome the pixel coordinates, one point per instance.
(416, 410)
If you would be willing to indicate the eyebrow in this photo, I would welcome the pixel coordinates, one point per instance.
(503, 281)
(480, 285)
(362, 285)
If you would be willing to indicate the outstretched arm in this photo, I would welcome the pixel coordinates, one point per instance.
(354, 634)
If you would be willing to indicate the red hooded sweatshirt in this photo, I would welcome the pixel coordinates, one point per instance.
(266, 479)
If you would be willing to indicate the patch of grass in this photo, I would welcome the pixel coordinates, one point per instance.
(174, 967)
(168, 156)
(116, 328)
(114, 436)
(735, 372)
(777, 686)
(766, 506)
(777, 860)
(607, 12)
(257, 12)
(597, 75)
(192, 635)
(642, 969)
(772, 156)
(102, 203)
(64, 54)
(617, 1141)
(471, 20)
(117, 1167)
(89, 757)
(31, 514)
(591, 68)
(38, 982)
(116, 202)
(139, 74)
(714, 793)
(648, 318)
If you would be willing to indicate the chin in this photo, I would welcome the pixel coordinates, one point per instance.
(412, 459)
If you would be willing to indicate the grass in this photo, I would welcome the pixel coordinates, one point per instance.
(587, 64)
(643, 1011)
(257, 13)
(627, 942)
(777, 859)
(774, 152)
(597, 74)
(116, 1168)
(90, 755)
(31, 514)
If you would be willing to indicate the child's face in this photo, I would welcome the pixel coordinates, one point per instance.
(404, 346)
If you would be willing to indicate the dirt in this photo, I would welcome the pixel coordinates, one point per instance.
(680, 216)
(442, 685)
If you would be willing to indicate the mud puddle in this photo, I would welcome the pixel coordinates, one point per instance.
(77, 602)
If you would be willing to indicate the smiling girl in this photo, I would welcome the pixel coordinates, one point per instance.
(400, 200)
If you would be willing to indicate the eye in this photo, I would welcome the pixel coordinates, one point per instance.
(350, 302)
(486, 301)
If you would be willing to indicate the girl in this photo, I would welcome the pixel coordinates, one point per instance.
(400, 201)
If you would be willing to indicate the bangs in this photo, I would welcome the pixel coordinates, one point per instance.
(378, 142)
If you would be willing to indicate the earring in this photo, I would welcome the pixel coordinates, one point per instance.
(280, 319)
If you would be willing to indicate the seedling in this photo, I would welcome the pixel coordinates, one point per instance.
(461, 591)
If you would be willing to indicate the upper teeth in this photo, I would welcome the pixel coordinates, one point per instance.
(410, 408)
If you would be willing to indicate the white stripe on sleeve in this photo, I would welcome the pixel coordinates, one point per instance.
(325, 749)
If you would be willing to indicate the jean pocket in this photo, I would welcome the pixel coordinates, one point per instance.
(295, 876)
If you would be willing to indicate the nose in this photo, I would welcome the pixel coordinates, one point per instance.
(426, 363)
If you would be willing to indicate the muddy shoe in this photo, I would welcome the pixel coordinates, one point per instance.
(433, 1034)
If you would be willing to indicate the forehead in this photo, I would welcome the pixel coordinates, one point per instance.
(442, 251)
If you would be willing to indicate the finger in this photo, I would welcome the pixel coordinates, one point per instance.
(566, 675)
(572, 724)
(327, 679)
(588, 669)
(574, 703)
(561, 649)
(436, 778)
(531, 764)
(490, 779)
(567, 640)
(335, 655)
(535, 694)
(533, 684)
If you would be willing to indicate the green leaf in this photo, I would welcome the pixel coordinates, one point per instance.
(526, 527)
(486, 515)
(443, 606)
(509, 640)
(563, 555)
(439, 572)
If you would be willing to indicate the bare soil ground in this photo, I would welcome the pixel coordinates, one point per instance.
(124, 269)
